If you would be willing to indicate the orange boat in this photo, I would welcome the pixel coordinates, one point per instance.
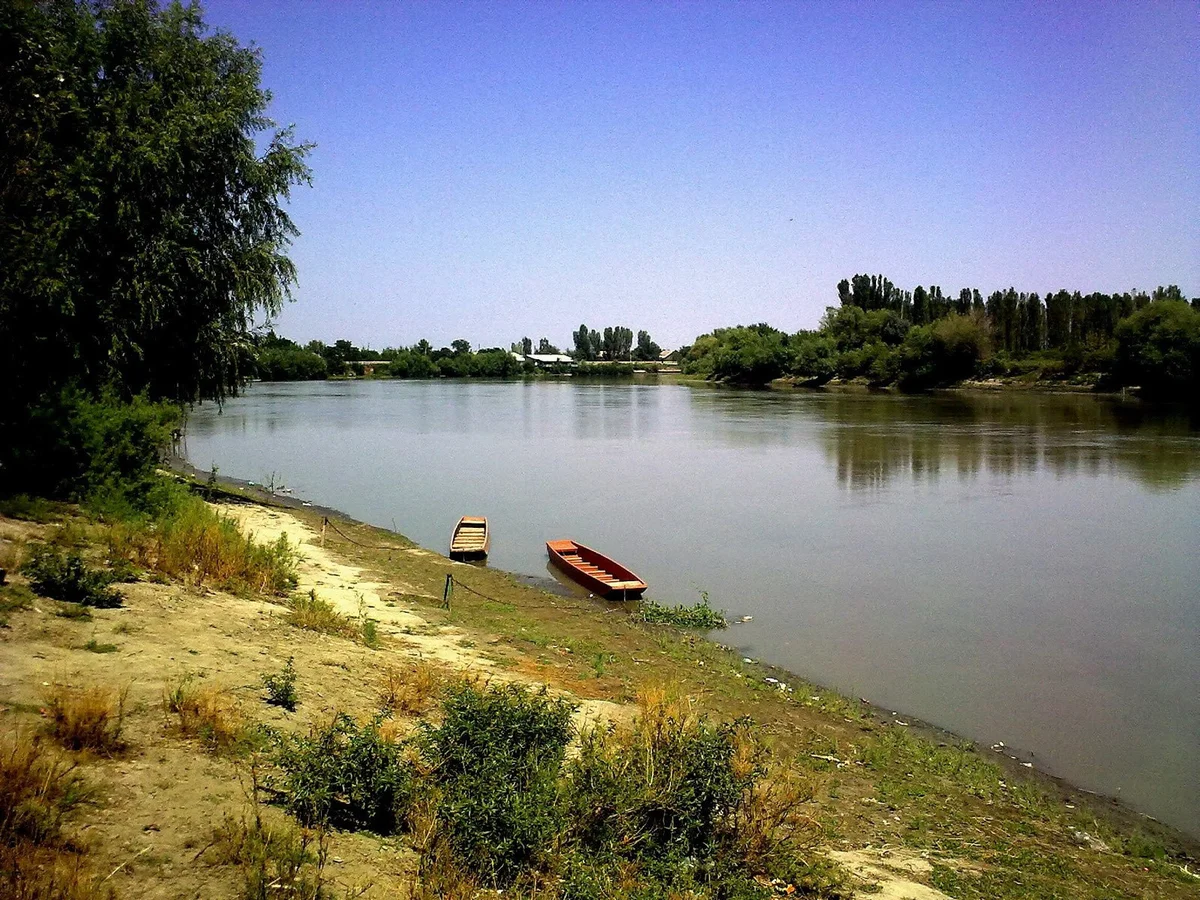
(471, 539)
(595, 571)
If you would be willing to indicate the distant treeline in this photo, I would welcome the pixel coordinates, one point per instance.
(921, 339)
(279, 359)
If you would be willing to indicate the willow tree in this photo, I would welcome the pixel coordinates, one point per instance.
(141, 226)
(142, 191)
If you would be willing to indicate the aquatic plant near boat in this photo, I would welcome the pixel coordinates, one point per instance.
(699, 615)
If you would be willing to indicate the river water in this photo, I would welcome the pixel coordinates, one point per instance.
(1016, 568)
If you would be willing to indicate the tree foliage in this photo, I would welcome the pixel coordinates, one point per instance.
(141, 229)
(919, 339)
(1158, 348)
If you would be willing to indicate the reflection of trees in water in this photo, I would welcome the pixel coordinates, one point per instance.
(873, 439)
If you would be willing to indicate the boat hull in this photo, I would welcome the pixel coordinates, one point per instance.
(471, 539)
(595, 571)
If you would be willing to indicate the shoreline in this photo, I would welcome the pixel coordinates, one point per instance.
(1016, 763)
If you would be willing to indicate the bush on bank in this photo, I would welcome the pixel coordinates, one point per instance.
(670, 803)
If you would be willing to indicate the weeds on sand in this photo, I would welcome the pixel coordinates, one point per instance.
(14, 598)
(310, 612)
(68, 578)
(275, 860)
(281, 686)
(409, 690)
(192, 543)
(86, 718)
(40, 790)
(210, 715)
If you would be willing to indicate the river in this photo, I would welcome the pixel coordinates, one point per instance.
(1014, 567)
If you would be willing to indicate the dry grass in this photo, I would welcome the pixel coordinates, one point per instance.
(410, 690)
(209, 714)
(12, 554)
(310, 612)
(275, 860)
(39, 791)
(30, 872)
(86, 718)
(198, 546)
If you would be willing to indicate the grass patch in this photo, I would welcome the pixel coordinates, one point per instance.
(66, 577)
(310, 612)
(14, 598)
(73, 611)
(275, 861)
(210, 715)
(192, 543)
(699, 615)
(40, 792)
(88, 718)
(95, 646)
(12, 553)
(409, 690)
(30, 509)
(281, 687)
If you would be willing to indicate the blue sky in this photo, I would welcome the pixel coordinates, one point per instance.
(494, 170)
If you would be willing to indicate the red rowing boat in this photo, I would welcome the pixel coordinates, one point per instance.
(594, 570)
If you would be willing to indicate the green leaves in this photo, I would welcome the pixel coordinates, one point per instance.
(143, 229)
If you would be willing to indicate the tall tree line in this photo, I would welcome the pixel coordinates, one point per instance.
(1019, 322)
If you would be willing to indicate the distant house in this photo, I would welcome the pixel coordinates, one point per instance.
(370, 365)
(550, 360)
(669, 356)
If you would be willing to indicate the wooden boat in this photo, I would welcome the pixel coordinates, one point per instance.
(595, 571)
(471, 539)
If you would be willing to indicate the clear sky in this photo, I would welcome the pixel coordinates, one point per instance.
(493, 170)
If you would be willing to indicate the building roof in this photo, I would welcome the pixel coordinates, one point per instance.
(550, 358)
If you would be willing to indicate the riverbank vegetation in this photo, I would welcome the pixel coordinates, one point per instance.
(882, 335)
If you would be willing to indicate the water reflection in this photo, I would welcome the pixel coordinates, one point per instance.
(874, 439)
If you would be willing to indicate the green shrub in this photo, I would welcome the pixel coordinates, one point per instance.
(700, 615)
(281, 687)
(496, 759)
(68, 578)
(664, 793)
(75, 446)
(346, 775)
